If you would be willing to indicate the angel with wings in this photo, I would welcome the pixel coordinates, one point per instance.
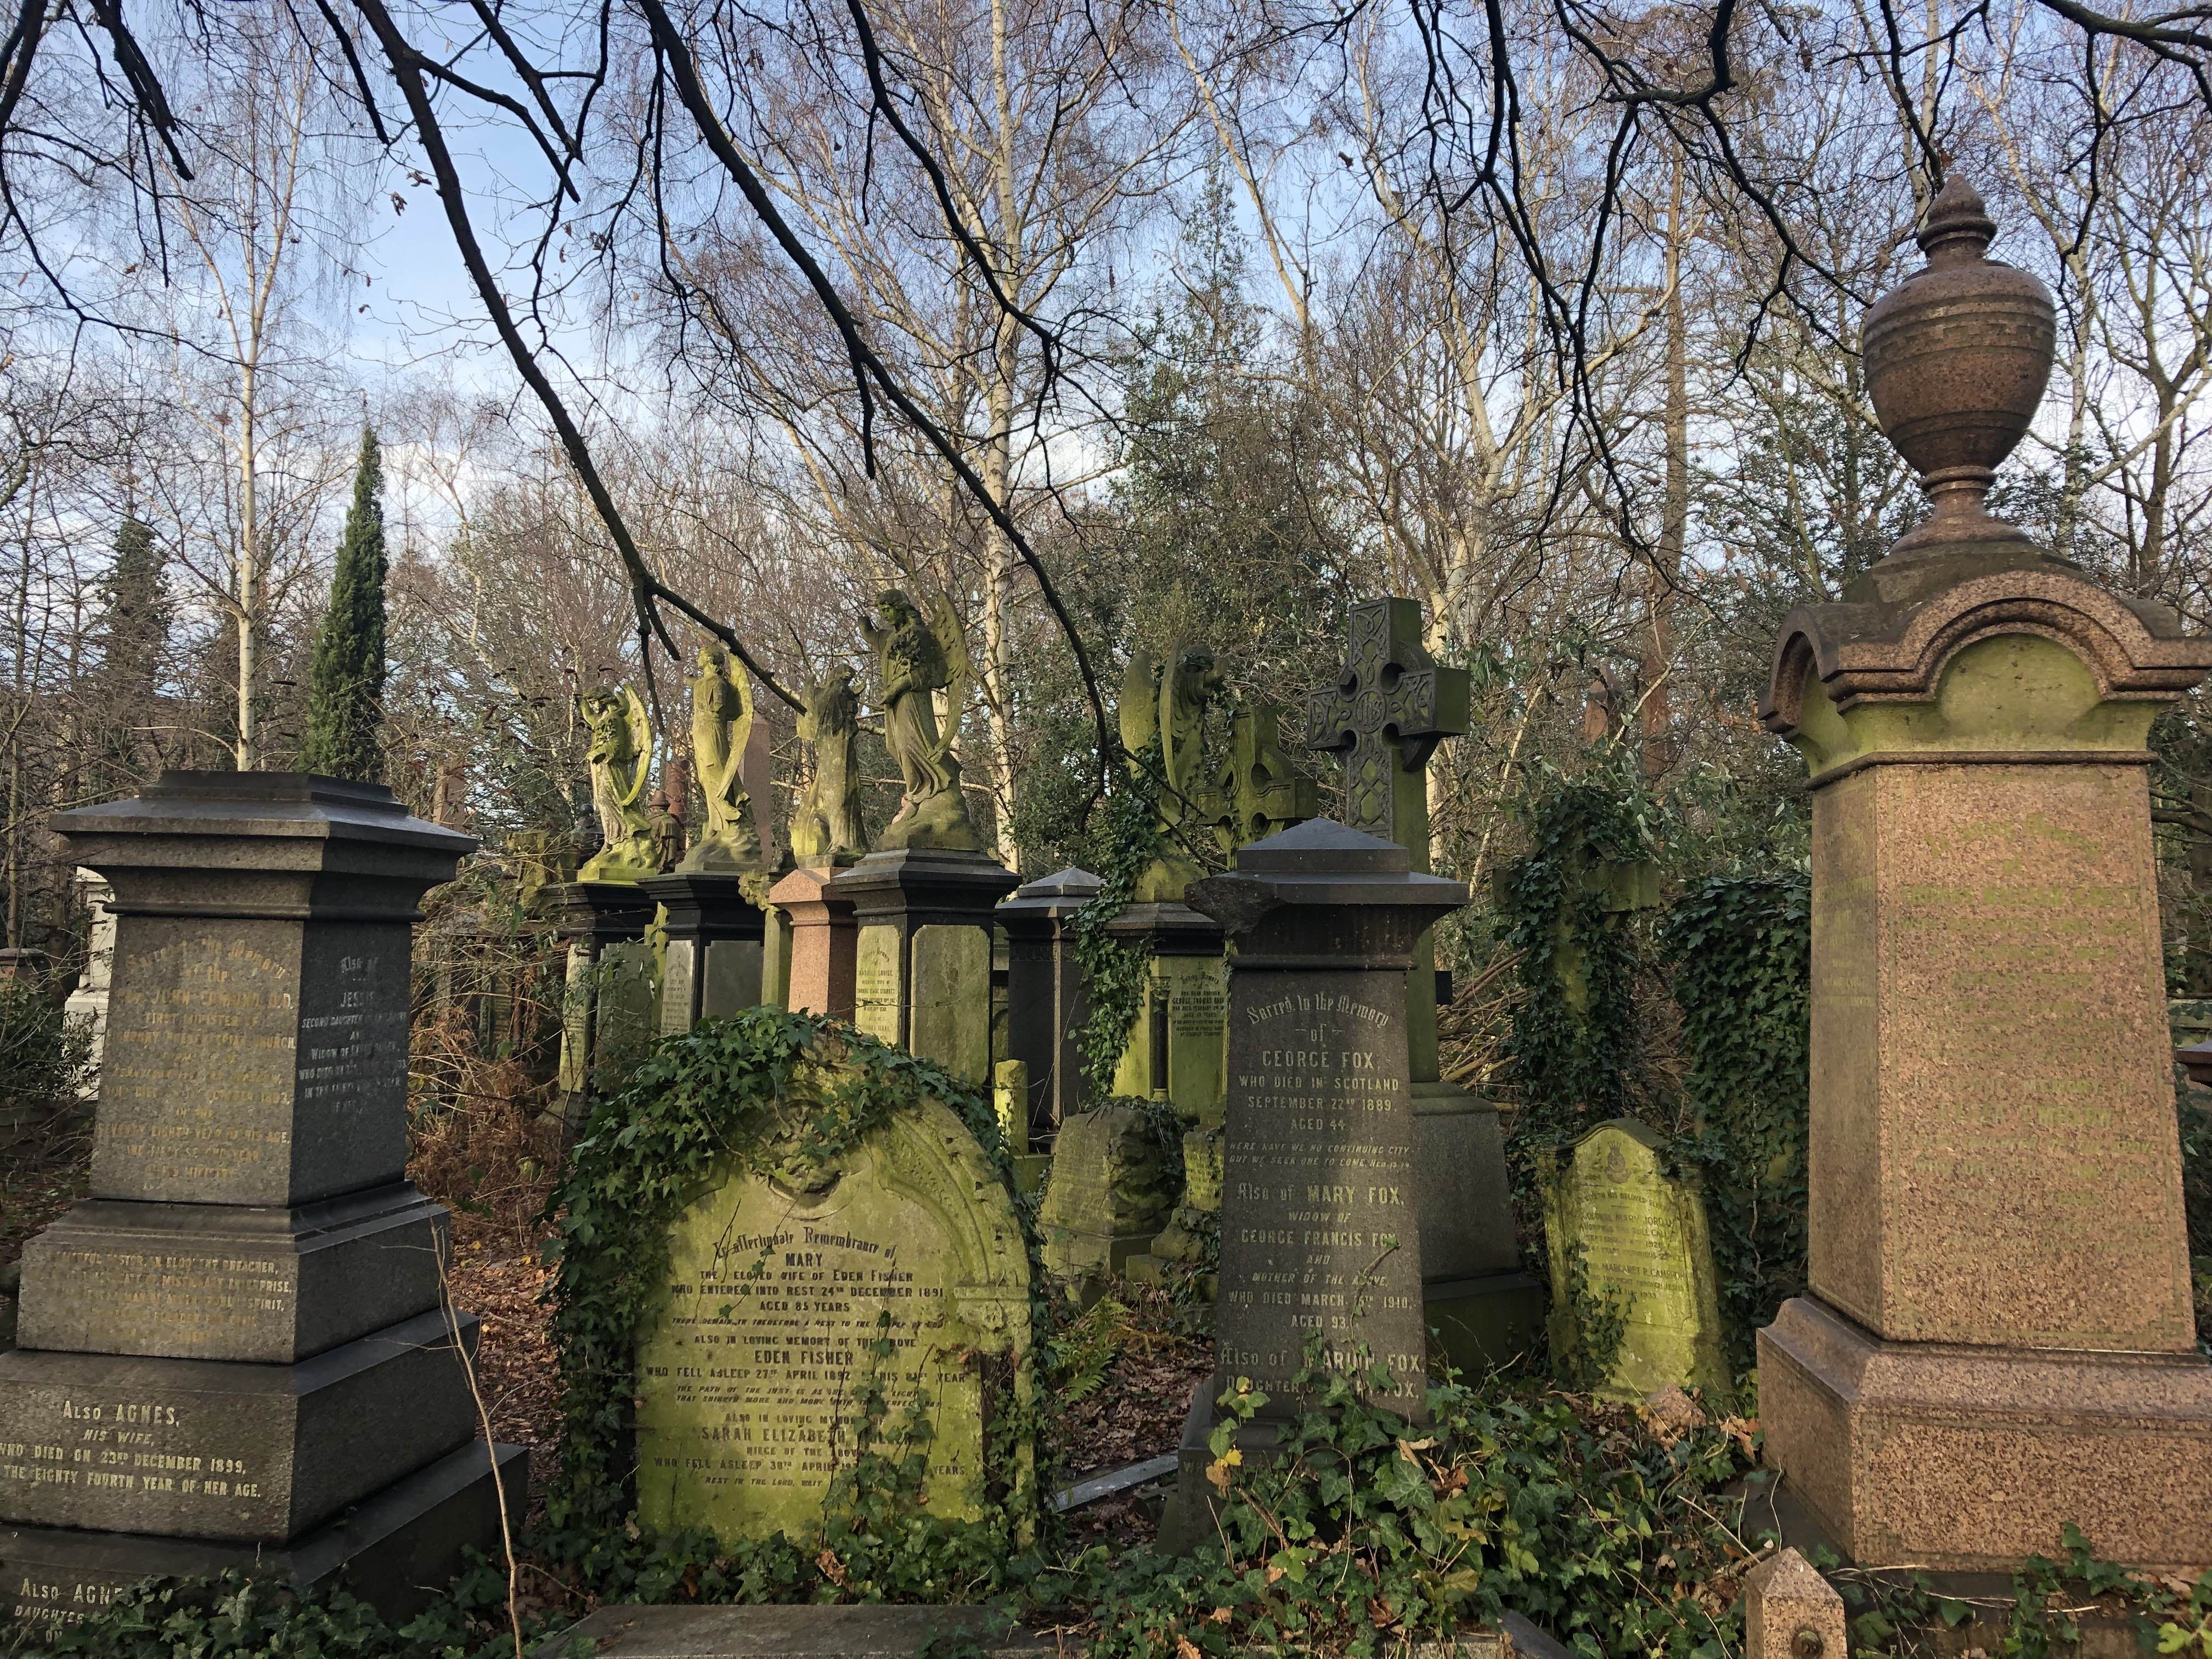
(621, 757)
(917, 656)
(721, 724)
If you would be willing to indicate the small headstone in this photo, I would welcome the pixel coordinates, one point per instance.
(1111, 1190)
(1645, 1267)
(783, 1293)
(1790, 1612)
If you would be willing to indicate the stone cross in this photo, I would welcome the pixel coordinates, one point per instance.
(1388, 709)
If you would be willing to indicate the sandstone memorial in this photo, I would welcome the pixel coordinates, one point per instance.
(234, 1351)
(896, 1268)
(1998, 1338)
(1636, 1237)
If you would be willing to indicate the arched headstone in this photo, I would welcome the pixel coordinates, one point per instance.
(901, 1264)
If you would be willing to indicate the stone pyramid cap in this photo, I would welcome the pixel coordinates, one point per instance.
(1322, 847)
(1070, 883)
(278, 804)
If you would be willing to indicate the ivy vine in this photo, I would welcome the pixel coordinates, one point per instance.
(1575, 1039)
(1742, 949)
(756, 1090)
(1117, 976)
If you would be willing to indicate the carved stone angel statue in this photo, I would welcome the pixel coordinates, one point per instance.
(916, 658)
(825, 825)
(621, 756)
(1171, 703)
(722, 723)
(1189, 683)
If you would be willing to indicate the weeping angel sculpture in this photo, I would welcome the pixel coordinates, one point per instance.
(916, 658)
(620, 755)
(825, 825)
(721, 724)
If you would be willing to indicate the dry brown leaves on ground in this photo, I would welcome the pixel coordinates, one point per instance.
(1137, 1413)
(41, 1174)
(515, 1370)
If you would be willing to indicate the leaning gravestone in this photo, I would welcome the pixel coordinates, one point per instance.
(234, 1351)
(1646, 1260)
(898, 1266)
(1111, 1190)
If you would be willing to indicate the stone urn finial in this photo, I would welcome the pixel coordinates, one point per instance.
(1957, 358)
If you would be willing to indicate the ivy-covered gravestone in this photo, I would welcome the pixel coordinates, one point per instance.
(1635, 1308)
(830, 1301)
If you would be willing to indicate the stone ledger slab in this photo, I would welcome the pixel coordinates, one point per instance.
(796, 1632)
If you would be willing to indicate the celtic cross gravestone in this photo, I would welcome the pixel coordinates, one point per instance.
(1390, 708)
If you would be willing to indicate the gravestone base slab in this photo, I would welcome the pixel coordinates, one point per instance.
(272, 1286)
(214, 1449)
(1478, 1324)
(396, 1549)
(1968, 1459)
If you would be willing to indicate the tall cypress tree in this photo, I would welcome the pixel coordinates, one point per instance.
(345, 691)
(133, 637)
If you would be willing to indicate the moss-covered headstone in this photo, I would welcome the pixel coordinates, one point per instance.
(1633, 1291)
(1112, 1190)
(895, 1272)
